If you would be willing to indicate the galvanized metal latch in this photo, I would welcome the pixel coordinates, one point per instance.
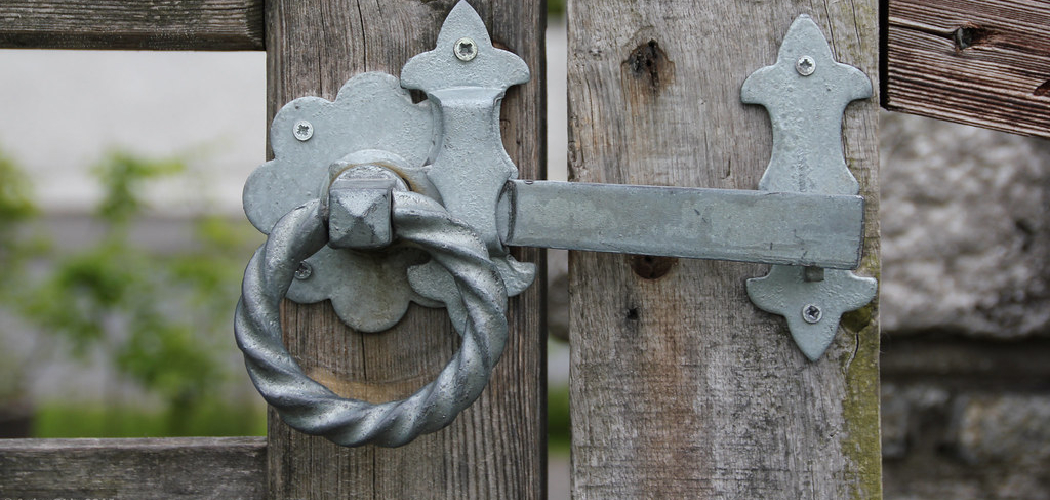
(371, 180)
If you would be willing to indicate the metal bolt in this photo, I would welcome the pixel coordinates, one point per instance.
(303, 130)
(304, 270)
(812, 274)
(805, 65)
(360, 211)
(465, 49)
(811, 313)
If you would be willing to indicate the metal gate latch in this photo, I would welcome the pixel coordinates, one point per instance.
(363, 188)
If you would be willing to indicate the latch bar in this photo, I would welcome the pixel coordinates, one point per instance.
(802, 229)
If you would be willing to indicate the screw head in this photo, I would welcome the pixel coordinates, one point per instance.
(304, 270)
(465, 49)
(303, 130)
(811, 313)
(805, 65)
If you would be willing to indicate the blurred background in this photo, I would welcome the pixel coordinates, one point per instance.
(122, 243)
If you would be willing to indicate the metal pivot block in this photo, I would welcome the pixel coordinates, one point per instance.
(360, 201)
(364, 188)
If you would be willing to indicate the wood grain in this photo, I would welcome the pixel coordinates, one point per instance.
(680, 387)
(132, 24)
(496, 448)
(140, 468)
(978, 62)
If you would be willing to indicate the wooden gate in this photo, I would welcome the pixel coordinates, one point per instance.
(705, 396)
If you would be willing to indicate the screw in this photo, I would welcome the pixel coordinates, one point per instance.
(303, 130)
(805, 65)
(304, 270)
(465, 49)
(811, 313)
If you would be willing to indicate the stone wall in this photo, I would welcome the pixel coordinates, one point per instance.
(965, 312)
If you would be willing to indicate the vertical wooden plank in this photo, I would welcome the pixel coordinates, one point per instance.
(680, 387)
(496, 449)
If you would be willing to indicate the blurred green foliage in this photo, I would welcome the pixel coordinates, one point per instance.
(16, 207)
(123, 177)
(163, 320)
(210, 418)
(556, 8)
(559, 437)
(16, 195)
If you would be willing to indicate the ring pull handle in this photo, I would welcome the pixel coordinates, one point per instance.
(310, 407)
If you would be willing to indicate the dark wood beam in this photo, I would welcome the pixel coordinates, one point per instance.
(132, 24)
(143, 468)
(978, 62)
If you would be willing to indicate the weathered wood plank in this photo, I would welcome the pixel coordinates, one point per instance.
(978, 62)
(495, 449)
(141, 468)
(680, 387)
(132, 24)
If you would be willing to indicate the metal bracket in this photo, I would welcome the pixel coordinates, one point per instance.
(806, 92)
(805, 218)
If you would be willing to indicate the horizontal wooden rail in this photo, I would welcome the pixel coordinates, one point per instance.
(979, 62)
(132, 24)
(142, 468)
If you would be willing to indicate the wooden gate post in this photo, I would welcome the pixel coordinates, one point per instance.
(680, 387)
(497, 448)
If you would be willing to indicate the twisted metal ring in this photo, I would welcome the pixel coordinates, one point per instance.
(310, 407)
